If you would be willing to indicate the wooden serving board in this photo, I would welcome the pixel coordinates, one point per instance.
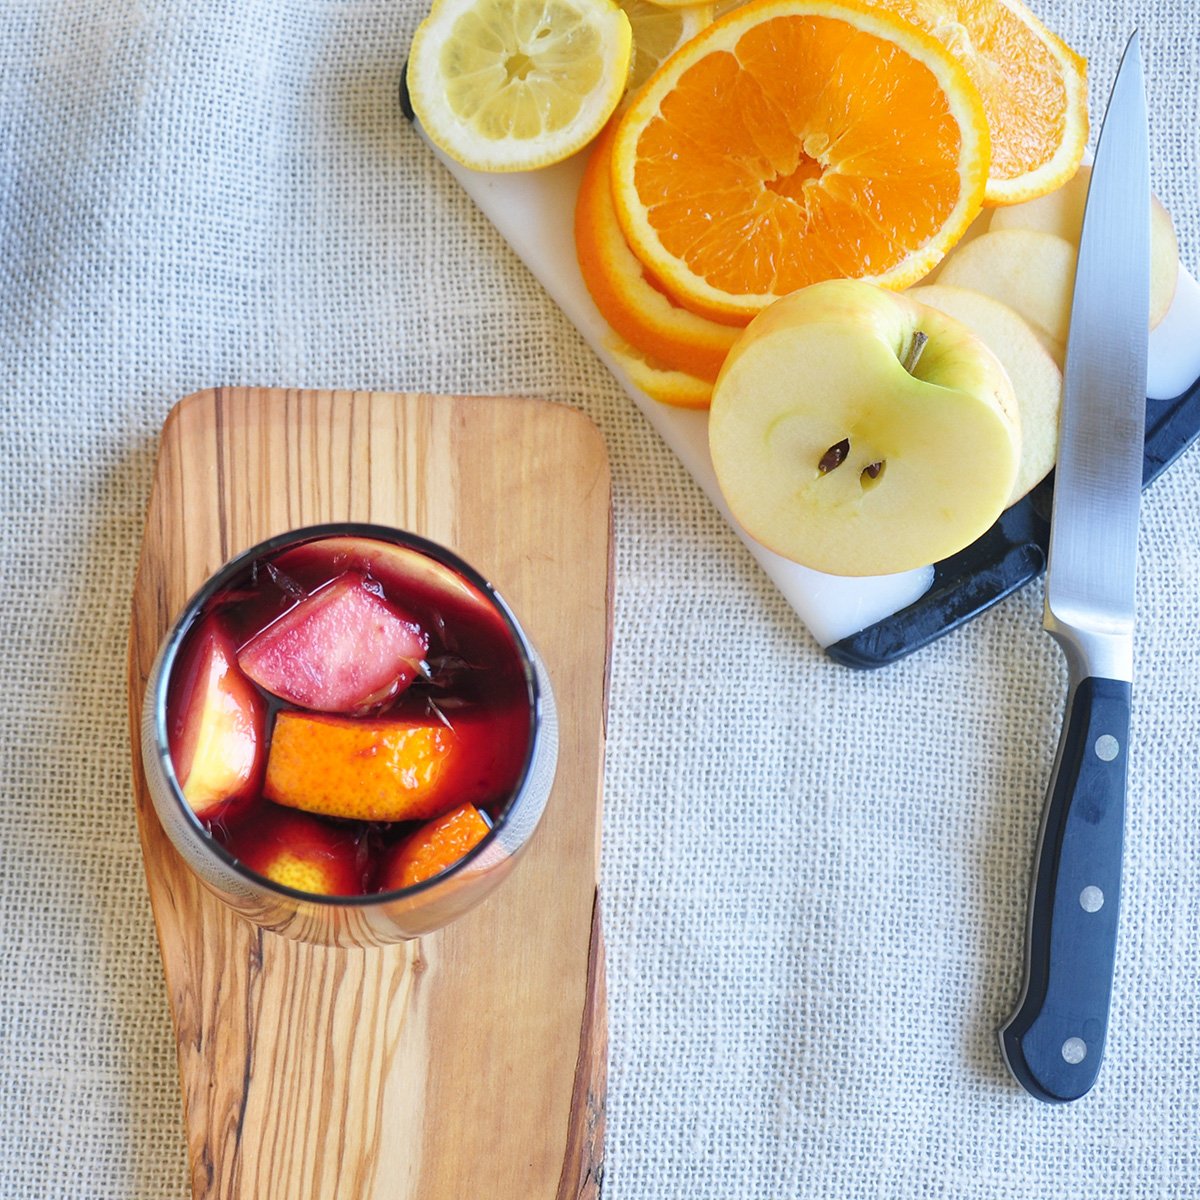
(469, 1063)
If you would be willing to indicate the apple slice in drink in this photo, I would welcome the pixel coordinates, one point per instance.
(342, 649)
(403, 572)
(217, 735)
(837, 447)
(300, 852)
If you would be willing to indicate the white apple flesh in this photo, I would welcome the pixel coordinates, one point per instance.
(1060, 212)
(1030, 271)
(833, 454)
(1037, 381)
(217, 739)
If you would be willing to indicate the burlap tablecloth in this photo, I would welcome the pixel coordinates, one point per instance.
(814, 879)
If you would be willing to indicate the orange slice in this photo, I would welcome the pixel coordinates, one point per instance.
(1033, 85)
(640, 311)
(435, 847)
(382, 770)
(659, 381)
(794, 141)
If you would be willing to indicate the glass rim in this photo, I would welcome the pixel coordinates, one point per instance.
(229, 571)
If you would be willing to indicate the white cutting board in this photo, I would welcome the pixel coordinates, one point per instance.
(534, 212)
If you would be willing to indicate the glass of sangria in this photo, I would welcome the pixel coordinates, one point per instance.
(347, 735)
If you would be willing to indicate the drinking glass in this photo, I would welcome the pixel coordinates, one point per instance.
(361, 920)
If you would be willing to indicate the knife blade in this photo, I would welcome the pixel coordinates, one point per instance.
(1054, 1041)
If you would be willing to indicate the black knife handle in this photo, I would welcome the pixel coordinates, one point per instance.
(1054, 1042)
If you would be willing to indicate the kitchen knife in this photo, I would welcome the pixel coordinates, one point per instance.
(1054, 1042)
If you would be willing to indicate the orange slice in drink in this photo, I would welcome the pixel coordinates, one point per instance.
(1033, 85)
(632, 303)
(435, 847)
(381, 770)
(794, 141)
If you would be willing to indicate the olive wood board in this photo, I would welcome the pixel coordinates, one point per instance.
(470, 1062)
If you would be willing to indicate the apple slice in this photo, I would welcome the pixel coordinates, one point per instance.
(217, 728)
(1030, 271)
(1061, 212)
(433, 848)
(393, 769)
(833, 454)
(1036, 379)
(300, 852)
(342, 649)
(977, 227)
(412, 579)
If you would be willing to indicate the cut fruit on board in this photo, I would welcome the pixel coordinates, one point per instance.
(510, 85)
(659, 29)
(533, 213)
(1034, 89)
(796, 141)
(637, 309)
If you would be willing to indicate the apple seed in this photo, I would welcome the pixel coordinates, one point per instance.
(834, 456)
(868, 477)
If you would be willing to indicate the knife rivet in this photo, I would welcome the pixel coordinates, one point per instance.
(1091, 899)
(1074, 1050)
(1107, 747)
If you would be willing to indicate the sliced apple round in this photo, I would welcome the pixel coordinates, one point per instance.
(832, 452)
(1060, 212)
(1030, 271)
(1036, 379)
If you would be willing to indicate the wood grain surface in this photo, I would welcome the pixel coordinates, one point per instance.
(470, 1063)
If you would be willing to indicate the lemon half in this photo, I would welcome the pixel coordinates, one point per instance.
(509, 85)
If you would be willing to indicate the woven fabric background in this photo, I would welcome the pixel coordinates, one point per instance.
(814, 880)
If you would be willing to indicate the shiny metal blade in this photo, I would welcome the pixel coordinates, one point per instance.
(1098, 478)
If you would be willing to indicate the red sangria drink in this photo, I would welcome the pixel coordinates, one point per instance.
(347, 735)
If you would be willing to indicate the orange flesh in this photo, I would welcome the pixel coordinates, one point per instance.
(631, 300)
(369, 771)
(1023, 93)
(1019, 77)
(303, 874)
(438, 845)
(816, 151)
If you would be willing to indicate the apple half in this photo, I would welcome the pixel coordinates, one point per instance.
(1037, 381)
(833, 453)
